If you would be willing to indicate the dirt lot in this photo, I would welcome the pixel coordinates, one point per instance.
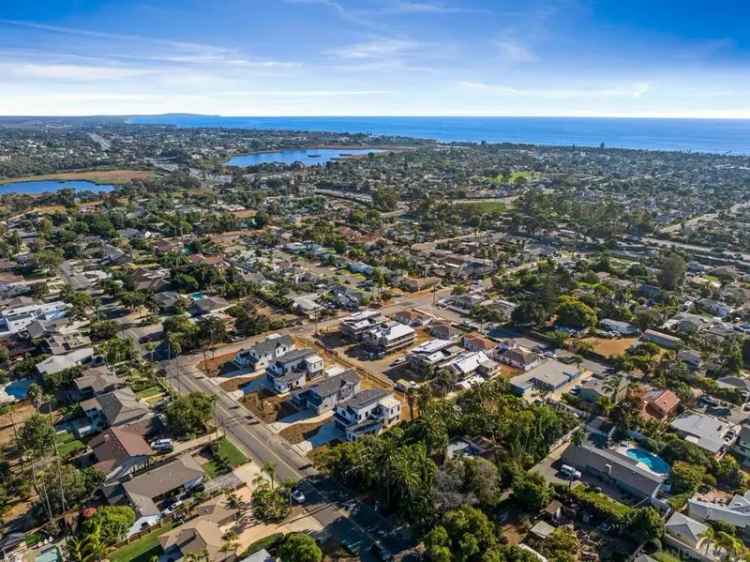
(610, 347)
(21, 413)
(268, 406)
(236, 382)
(98, 176)
(301, 431)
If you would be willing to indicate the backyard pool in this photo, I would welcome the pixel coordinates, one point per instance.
(49, 555)
(15, 390)
(652, 462)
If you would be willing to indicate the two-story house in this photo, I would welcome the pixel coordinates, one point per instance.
(293, 369)
(264, 353)
(369, 411)
(323, 396)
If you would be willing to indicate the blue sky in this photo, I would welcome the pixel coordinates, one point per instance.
(657, 58)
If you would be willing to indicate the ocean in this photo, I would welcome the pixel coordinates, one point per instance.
(697, 135)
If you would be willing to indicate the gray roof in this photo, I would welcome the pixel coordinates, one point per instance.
(270, 343)
(99, 380)
(295, 355)
(685, 526)
(160, 481)
(705, 431)
(364, 398)
(332, 385)
(121, 407)
(621, 468)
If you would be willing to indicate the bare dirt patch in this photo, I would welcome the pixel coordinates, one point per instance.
(300, 432)
(20, 414)
(235, 383)
(610, 347)
(267, 406)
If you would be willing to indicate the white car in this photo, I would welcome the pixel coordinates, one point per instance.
(298, 496)
(570, 472)
(162, 445)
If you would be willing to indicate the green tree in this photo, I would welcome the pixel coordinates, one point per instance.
(37, 435)
(300, 547)
(686, 477)
(573, 312)
(672, 271)
(530, 492)
(111, 523)
(644, 524)
(562, 546)
(190, 414)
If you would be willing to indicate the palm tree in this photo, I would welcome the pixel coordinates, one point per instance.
(708, 537)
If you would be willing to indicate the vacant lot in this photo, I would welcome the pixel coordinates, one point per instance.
(610, 347)
(96, 176)
(268, 406)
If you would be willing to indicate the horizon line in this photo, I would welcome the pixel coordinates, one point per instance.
(379, 116)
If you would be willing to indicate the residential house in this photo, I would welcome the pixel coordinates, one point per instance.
(368, 411)
(548, 376)
(58, 363)
(412, 317)
(661, 339)
(717, 308)
(740, 385)
(15, 319)
(210, 305)
(432, 355)
(735, 512)
(116, 408)
(712, 434)
(119, 452)
(356, 325)
(519, 357)
(60, 344)
(691, 358)
(613, 387)
(688, 537)
(442, 329)
(618, 327)
(265, 352)
(742, 446)
(96, 381)
(389, 337)
(469, 363)
(660, 404)
(323, 396)
(292, 370)
(147, 490)
(616, 468)
(478, 342)
(196, 537)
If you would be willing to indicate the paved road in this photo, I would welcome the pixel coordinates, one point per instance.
(356, 524)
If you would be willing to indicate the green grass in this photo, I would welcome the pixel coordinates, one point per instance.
(33, 539)
(601, 502)
(487, 207)
(149, 392)
(266, 542)
(67, 444)
(228, 455)
(141, 550)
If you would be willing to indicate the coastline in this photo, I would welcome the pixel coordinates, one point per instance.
(99, 177)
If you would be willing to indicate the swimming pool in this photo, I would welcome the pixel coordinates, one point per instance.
(653, 462)
(50, 555)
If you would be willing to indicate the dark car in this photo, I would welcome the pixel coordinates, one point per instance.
(382, 552)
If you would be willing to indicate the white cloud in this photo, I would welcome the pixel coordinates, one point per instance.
(74, 71)
(515, 52)
(377, 49)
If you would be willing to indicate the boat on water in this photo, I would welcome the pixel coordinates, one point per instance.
(313, 155)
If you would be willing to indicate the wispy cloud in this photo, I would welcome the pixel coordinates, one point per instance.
(377, 49)
(514, 51)
(75, 72)
(415, 7)
(158, 49)
(633, 90)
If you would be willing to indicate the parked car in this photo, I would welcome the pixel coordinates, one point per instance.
(162, 445)
(569, 472)
(381, 552)
(298, 496)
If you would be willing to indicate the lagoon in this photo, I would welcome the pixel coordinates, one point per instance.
(308, 156)
(50, 186)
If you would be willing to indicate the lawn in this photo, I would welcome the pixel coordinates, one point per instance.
(141, 550)
(67, 444)
(487, 206)
(149, 392)
(225, 459)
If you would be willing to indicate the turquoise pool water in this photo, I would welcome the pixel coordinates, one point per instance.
(653, 462)
(49, 555)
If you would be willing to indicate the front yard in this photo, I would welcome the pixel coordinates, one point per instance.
(224, 457)
(142, 549)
